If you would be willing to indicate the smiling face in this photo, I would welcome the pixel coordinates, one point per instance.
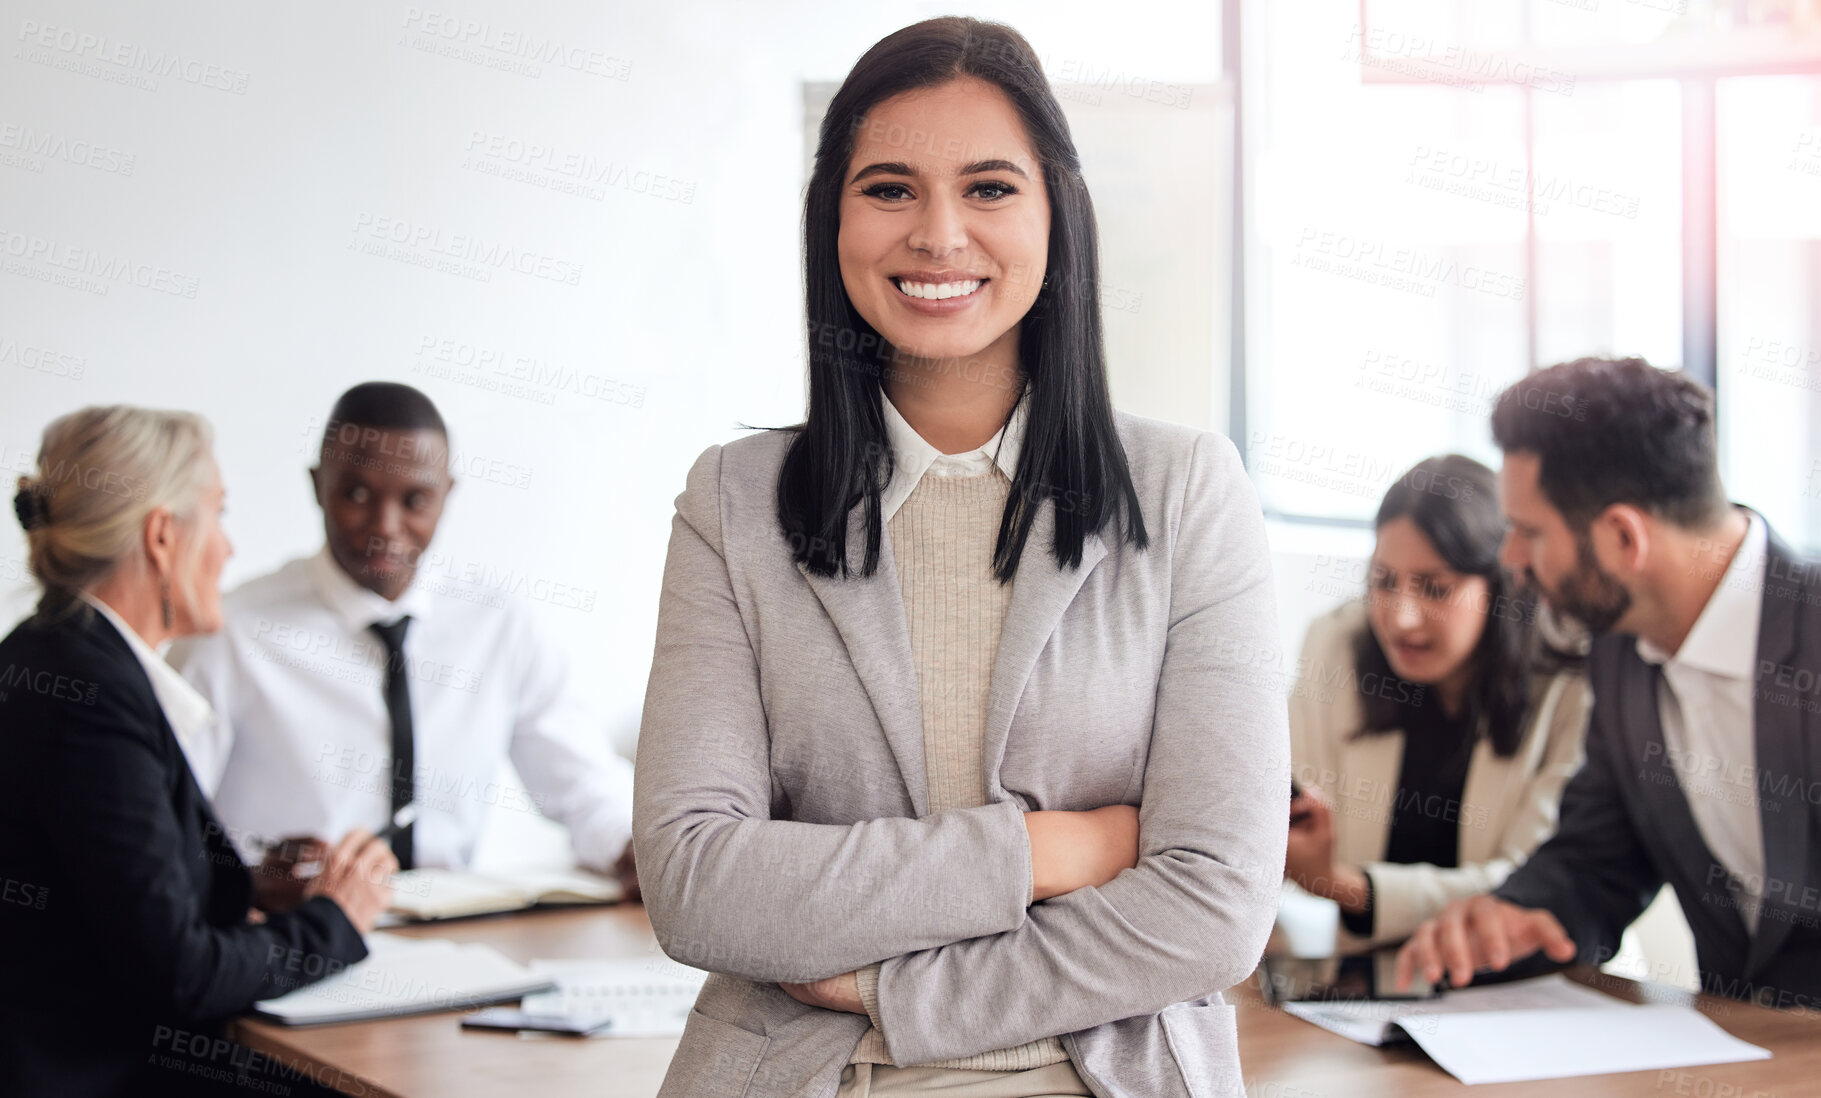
(1427, 617)
(945, 222)
(382, 492)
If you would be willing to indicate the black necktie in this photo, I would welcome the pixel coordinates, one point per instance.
(398, 707)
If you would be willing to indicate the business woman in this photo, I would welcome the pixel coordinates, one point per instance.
(953, 769)
(128, 933)
(1432, 725)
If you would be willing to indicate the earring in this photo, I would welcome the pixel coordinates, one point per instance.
(164, 597)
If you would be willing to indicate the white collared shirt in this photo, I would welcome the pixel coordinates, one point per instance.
(913, 456)
(1705, 707)
(189, 714)
(304, 743)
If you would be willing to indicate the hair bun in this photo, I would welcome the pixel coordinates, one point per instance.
(31, 504)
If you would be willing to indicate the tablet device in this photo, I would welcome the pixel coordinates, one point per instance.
(513, 1018)
(1363, 976)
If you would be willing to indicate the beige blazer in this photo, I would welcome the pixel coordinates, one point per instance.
(781, 819)
(1507, 809)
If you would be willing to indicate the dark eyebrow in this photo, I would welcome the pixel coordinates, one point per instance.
(978, 167)
(892, 168)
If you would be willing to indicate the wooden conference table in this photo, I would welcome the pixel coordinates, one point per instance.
(433, 1057)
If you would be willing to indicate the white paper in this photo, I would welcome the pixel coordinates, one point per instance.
(403, 976)
(1370, 1021)
(1546, 1028)
(1517, 1045)
(645, 997)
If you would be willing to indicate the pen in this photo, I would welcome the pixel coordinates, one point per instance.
(403, 818)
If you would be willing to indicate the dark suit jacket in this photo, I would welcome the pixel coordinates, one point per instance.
(1626, 827)
(123, 929)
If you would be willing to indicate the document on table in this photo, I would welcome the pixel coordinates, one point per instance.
(645, 997)
(1548, 1028)
(1376, 1021)
(406, 976)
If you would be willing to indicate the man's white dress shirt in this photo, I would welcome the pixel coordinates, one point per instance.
(303, 745)
(1705, 707)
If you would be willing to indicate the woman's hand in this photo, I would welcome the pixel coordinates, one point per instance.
(1071, 850)
(834, 993)
(276, 886)
(357, 875)
(1309, 860)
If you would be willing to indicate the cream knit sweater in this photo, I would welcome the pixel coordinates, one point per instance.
(942, 539)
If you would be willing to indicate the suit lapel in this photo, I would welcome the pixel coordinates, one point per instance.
(868, 612)
(1041, 593)
(1782, 766)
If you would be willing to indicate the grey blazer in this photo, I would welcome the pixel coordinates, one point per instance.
(781, 821)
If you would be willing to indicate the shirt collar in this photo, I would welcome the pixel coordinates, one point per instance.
(1724, 638)
(354, 605)
(187, 711)
(913, 456)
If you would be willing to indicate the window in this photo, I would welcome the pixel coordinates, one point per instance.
(1441, 195)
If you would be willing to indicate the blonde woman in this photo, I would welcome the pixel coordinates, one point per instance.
(128, 926)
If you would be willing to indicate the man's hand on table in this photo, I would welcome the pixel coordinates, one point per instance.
(1480, 932)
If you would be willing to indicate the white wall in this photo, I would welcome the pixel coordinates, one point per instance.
(241, 161)
(189, 194)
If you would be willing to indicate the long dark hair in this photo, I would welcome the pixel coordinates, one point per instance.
(1071, 452)
(1453, 501)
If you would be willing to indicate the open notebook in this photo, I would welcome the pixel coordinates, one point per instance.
(407, 976)
(449, 894)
